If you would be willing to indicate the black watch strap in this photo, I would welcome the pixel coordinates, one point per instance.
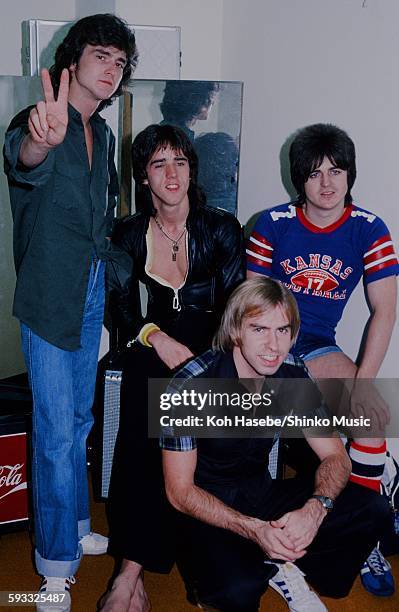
(325, 501)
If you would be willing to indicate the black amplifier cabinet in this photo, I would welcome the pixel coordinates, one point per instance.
(106, 412)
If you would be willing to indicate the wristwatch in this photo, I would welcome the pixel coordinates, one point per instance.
(326, 502)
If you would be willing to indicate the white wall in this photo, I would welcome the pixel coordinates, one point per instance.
(201, 24)
(13, 13)
(317, 60)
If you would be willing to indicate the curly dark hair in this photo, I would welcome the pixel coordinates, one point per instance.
(311, 145)
(183, 100)
(104, 29)
(146, 143)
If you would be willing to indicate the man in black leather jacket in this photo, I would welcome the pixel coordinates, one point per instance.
(190, 258)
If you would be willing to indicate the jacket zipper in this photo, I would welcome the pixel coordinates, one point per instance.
(176, 302)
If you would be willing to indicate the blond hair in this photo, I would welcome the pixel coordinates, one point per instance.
(252, 297)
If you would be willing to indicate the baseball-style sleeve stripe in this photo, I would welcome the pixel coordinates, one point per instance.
(261, 241)
(258, 260)
(259, 251)
(380, 255)
(382, 243)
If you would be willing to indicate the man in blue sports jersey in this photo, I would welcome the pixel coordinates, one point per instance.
(320, 246)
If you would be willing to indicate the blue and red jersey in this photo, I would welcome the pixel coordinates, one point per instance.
(321, 266)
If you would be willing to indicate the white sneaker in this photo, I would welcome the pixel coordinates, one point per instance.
(54, 592)
(94, 544)
(289, 582)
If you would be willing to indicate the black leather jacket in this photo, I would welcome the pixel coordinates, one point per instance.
(216, 265)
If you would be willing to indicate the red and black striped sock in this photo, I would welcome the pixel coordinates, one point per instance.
(367, 464)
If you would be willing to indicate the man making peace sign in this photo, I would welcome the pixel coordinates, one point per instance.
(59, 159)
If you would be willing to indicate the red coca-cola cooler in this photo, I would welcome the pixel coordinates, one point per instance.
(15, 428)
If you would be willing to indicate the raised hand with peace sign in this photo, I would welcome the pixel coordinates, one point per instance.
(48, 121)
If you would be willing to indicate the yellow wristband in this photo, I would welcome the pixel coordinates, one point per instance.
(145, 331)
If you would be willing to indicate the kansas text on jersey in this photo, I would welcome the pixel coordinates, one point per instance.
(321, 266)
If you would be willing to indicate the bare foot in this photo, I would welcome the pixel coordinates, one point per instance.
(119, 597)
(140, 602)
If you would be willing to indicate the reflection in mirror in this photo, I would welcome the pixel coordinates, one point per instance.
(210, 114)
(218, 169)
(186, 102)
(15, 94)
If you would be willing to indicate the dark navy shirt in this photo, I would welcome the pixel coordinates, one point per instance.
(62, 212)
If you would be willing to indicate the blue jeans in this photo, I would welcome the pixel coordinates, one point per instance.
(63, 384)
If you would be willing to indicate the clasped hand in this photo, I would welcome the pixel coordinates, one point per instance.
(288, 537)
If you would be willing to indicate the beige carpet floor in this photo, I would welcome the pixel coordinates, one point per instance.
(166, 592)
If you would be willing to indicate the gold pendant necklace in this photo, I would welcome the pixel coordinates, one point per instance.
(175, 242)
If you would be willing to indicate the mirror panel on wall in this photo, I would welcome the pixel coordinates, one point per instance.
(159, 47)
(214, 127)
(15, 94)
(209, 112)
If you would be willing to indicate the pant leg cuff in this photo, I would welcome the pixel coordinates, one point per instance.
(83, 528)
(59, 569)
